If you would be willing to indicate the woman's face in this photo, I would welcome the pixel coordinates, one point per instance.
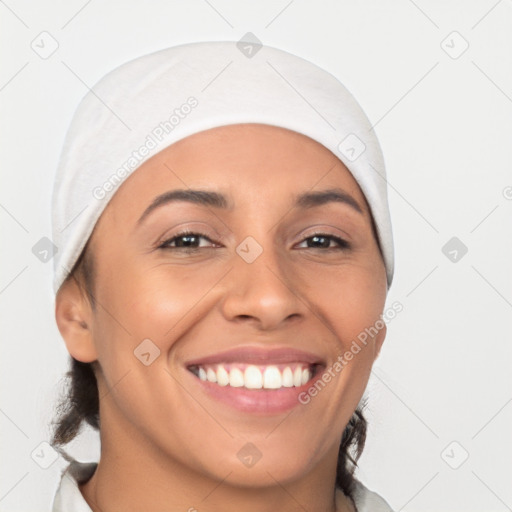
(261, 293)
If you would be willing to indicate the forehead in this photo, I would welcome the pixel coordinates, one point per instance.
(252, 146)
(245, 162)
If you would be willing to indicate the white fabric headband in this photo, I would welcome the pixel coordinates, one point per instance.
(149, 103)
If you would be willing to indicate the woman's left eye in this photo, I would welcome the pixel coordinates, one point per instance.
(324, 241)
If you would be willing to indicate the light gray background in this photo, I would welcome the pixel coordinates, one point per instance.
(445, 125)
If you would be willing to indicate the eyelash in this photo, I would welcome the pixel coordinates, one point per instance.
(342, 244)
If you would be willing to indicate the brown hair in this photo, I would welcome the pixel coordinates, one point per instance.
(80, 402)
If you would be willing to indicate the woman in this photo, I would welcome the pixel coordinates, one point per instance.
(224, 245)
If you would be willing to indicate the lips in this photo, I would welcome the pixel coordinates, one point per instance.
(257, 355)
(267, 379)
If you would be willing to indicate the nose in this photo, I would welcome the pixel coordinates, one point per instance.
(264, 292)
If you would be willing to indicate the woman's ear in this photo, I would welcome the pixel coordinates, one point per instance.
(74, 317)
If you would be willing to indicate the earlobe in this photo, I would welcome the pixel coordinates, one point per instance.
(74, 317)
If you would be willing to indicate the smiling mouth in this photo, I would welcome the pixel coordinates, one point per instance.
(256, 377)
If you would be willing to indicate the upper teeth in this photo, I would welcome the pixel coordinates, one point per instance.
(256, 377)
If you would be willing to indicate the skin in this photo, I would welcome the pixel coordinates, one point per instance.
(165, 445)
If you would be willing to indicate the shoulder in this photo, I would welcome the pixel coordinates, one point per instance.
(68, 497)
(369, 501)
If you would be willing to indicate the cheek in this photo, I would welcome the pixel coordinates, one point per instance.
(159, 303)
(347, 299)
(141, 319)
(349, 303)
(167, 302)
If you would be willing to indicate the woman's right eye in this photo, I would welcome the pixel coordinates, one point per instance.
(186, 240)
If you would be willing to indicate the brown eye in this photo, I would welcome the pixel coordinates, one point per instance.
(323, 241)
(185, 240)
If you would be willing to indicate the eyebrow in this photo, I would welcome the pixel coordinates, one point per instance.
(319, 198)
(217, 200)
(200, 197)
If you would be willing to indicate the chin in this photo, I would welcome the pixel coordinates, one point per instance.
(252, 469)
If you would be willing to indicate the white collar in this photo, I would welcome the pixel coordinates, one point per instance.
(68, 497)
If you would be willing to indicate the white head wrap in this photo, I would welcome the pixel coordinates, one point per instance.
(149, 103)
